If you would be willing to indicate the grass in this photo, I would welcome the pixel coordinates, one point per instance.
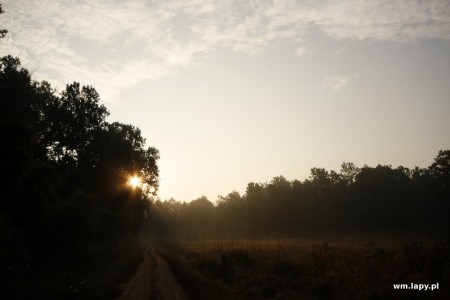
(195, 283)
(311, 269)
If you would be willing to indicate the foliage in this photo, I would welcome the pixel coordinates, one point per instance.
(368, 199)
(65, 196)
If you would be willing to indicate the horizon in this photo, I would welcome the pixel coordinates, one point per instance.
(233, 93)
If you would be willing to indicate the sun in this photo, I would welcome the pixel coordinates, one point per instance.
(134, 181)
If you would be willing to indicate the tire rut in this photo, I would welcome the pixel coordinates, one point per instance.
(153, 280)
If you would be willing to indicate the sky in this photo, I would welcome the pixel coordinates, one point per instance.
(233, 92)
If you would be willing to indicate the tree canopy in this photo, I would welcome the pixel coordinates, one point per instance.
(67, 169)
(379, 199)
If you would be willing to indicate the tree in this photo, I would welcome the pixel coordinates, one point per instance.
(16, 87)
(321, 181)
(197, 216)
(440, 170)
(74, 120)
(17, 119)
(116, 153)
(28, 102)
(441, 164)
(233, 198)
(63, 159)
(348, 172)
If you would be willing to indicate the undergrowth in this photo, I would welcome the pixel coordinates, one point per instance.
(302, 270)
(97, 276)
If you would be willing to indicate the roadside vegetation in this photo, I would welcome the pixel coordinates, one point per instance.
(98, 277)
(338, 268)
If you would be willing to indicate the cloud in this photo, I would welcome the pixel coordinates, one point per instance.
(305, 50)
(336, 83)
(146, 40)
(301, 51)
(387, 20)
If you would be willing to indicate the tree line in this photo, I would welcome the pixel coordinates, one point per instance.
(64, 192)
(66, 205)
(377, 199)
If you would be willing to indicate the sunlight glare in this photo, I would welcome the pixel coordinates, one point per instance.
(134, 181)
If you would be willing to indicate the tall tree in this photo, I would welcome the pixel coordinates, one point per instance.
(74, 119)
(440, 170)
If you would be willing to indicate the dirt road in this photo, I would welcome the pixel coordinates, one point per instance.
(153, 280)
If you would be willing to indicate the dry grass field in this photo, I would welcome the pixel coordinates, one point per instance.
(340, 268)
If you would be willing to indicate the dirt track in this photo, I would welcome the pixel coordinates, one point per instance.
(153, 280)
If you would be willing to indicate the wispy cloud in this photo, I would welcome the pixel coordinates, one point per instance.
(336, 83)
(400, 20)
(148, 40)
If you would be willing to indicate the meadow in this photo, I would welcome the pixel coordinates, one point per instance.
(312, 268)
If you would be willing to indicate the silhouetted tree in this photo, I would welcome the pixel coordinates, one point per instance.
(67, 168)
(348, 172)
(73, 121)
(440, 170)
(368, 199)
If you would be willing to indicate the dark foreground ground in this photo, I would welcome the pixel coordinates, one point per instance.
(101, 276)
(343, 267)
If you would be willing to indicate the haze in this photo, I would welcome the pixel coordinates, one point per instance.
(232, 92)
